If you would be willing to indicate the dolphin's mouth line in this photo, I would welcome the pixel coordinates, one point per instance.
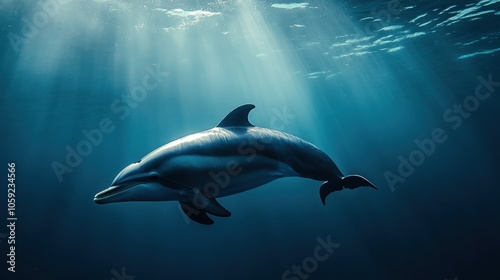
(112, 191)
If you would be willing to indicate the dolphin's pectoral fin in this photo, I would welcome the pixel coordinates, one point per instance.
(213, 207)
(207, 204)
(199, 205)
(237, 117)
(196, 215)
(349, 182)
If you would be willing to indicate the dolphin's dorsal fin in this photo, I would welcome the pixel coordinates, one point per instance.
(237, 117)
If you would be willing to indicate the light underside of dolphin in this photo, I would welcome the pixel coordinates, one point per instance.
(232, 157)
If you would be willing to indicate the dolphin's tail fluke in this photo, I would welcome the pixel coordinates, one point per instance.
(348, 182)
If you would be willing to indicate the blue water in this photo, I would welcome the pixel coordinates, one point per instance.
(404, 93)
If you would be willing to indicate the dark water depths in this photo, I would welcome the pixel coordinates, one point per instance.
(405, 93)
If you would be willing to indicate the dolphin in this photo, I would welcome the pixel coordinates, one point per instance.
(233, 157)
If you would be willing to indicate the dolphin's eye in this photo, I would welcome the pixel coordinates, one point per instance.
(154, 176)
(138, 161)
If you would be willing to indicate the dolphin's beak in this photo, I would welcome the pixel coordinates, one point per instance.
(107, 195)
